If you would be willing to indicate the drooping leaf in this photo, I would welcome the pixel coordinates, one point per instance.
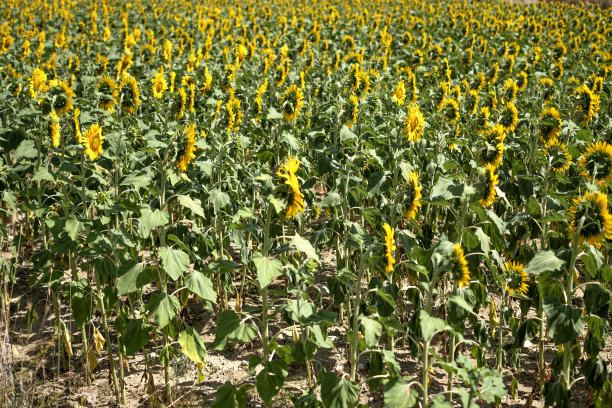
(398, 393)
(564, 322)
(192, 345)
(271, 379)
(192, 204)
(201, 285)
(136, 335)
(132, 276)
(230, 328)
(163, 308)
(175, 261)
(544, 261)
(338, 392)
(267, 269)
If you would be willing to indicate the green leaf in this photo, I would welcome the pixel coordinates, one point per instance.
(193, 205)
(485, 241)
(338, 392)
(399, 394)
(331, 199)
(544, 261)
(550, 285)
(564, 322)
(73, 227)
(303, 245)
(80, 300)
(163, 308)
(136, 335)
(371, 330)
(270, 380)
(346, 134)
(150, 220)
(175, 261)
(267, 269)
(379, 182)
(596, 300)
(132, 276)
(26, 150)
(201, 285)
(527, 331)
(192, 345)
(430, 325)
(556, 395)
(231, 329)
(218, 199)
(273, 114)
(229, 396)
(595, 372)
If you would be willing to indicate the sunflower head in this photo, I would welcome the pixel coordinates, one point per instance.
(597, 162)
(291, 103)
(493, 149)
(186, 147)
(509, 117)
(490, 181)
(558, 156)
(92, 141)
(516, 278)
(510, 90)
(289, 188)
(451, 110)
(179, 104)
(159, 85)
(60, 96)
(470, 102)
(549, 125)
(129, 93)
(350, 110)
(521, 81)
(413, 196)
(587, 102)
(399, 95)
(592, 210)
(481, 121)
(389, 247)
(414, 123)
(460, 273)
(54, 130)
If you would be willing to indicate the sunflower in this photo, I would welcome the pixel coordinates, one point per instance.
(558, 51)
(597, 223)
(109, 94)
(470, 102)
(558, 156)
(92, 141)
(77, 125)
(521, 81)
(159, 85)
(509, 117)
(291, 103)
(440, 94)
(208, 81)
(510, 90)
(414, 123)
(548, 90)
(128, 90)
(597, 162)
(490, 179)
(516, 278)
(493, 74)
(489, 100)
(280, 74)
(389, 247)
(187, 147)
(260, 92)
(413, 195)
(481, 121)
(459, 272)
(451, 110)
(399, 95)
(60, 95)
(288, 179)
(38, 82)
(180, 103)
(493, 149)
(54, 129)
(549, 125)
(350, 111)
(478, 82)
(124, 64)
(557, 71)
(587, 102)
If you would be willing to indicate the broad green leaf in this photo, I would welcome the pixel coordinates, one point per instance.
(485, 241)
(231, 329)
(73, 227)
(150, 220)
(230, 396)
(267, 269)
(338, 392)
(544, 261)
(273, 114)
(175, 261)
(192, 345)
(163, 308)
(270, 380)
(192, 204)
(527, 331)
(303, 245)
(80, 300)
(201, 285)
(136, 335)
(331, 199)
(564, 322)
(218, 199)
(132, 276)
(346, 134)
(26, 150)
(595, 372)
(399, 394)
(371, 330)
(430, 325)
(597, 300)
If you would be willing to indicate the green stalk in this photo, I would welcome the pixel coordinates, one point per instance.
(111, 359)
(164, 280)
(500, 331)
(355, 334)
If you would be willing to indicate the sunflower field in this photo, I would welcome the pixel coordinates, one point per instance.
(386, 203)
